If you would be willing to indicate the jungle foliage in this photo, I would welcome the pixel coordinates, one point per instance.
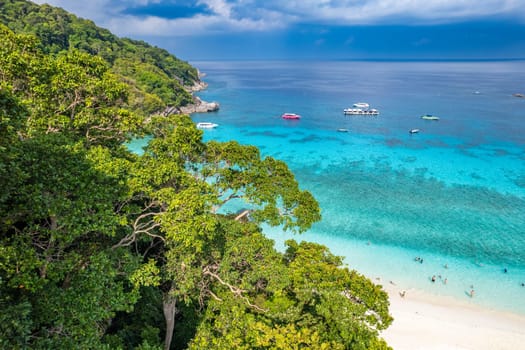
(101, 248)
(158, 79)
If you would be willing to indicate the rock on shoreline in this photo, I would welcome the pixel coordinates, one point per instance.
(198, 85)
(198, 105)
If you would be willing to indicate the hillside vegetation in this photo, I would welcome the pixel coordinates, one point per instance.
(157, 78)
(101, 248)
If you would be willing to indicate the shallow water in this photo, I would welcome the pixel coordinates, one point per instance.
(453, 194)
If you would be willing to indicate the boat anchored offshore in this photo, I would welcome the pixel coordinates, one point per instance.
(290, 116)
(414, 131)
(206, 125)
(363, 105)
(360, 111)
(429, 117)
(360, 108)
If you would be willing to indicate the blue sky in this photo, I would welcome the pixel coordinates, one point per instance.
(323, 29)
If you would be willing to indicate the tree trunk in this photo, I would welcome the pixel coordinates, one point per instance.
(169, 307)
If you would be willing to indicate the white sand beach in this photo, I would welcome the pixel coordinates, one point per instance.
(424, 321)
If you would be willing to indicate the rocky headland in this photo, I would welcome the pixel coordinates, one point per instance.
(198, 105)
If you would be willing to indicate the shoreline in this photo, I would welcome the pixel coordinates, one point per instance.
(198, 105)
(423, 319)
(426, 321)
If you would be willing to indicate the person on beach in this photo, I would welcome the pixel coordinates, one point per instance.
(472, 293)
(433, 278)
(445, 281)
(403, 293)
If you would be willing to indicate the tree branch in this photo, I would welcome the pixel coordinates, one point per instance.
(237, 292)
(141, 228)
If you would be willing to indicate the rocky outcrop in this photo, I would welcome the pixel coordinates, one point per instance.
(197, 86)
(199, 106)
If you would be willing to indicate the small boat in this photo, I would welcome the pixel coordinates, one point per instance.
(360, 111)
(414, 131)
(518, 95)
(343, 130)
(290, 116)
(206, 125)
(361, 105)
(429, 117)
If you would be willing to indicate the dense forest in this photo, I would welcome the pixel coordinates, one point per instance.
(155, 77)
(101, 248)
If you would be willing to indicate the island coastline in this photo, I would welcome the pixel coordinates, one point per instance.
(198, 105)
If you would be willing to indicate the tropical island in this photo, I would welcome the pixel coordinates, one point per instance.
(101, 248)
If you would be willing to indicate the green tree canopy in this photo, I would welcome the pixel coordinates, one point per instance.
(303, 299)
(157, 78)
(92, 236)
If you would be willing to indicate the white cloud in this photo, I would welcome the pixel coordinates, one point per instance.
(397, 11)
(109, 14)
(199, 24)
(261, 15)
(219, 7)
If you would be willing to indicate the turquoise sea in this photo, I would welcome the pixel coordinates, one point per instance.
(452, 194)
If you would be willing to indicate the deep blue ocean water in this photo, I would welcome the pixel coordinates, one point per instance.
(453, 194)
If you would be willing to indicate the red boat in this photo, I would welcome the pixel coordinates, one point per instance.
(290, 116)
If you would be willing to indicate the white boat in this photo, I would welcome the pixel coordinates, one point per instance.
(206, 125)
(361, 105)
(360, 111)
(414, 131)
(429, 117)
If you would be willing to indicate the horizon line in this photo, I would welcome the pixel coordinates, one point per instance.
(364, 59)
